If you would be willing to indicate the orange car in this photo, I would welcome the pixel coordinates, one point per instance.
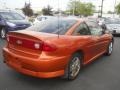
(58, 47)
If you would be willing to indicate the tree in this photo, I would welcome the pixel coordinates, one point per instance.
(79, 8)
(47, 10)
(117, 8)
(27, 10)
(73, 7)
(110, 12)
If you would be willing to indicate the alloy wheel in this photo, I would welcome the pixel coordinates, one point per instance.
(75, 67)
(110, 48)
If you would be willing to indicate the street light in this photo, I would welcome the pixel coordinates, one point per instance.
(114, 9)
(73, 9)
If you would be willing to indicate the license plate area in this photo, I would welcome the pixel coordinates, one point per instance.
(13, 60)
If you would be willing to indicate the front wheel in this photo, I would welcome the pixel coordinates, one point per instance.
(109, 49)
(3, 33)
(74, 67)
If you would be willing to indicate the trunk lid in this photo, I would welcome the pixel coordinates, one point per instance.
(28, 43)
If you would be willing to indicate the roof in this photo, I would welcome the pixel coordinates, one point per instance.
(2, 10)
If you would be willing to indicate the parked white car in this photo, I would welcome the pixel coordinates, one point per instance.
(42, 18)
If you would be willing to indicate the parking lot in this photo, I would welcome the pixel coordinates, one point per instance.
(103, 74)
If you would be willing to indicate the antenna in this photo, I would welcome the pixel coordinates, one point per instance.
(58, 19)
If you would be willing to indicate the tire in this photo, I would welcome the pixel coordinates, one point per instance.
(73, 67)
(2, 33)
(109, 49)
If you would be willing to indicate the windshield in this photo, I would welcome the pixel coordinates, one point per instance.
(53, 26)
(11, 16)
(92, 19)
(112, 21)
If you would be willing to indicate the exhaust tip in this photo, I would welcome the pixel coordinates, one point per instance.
(4, 61)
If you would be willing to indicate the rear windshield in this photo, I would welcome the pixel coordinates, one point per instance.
(113, 21)
(53, 26)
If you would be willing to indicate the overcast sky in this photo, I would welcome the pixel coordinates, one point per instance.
(38, 4)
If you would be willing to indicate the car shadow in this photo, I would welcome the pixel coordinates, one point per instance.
(117, 35)
(37, 82)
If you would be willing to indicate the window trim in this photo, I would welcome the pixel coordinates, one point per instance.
(78, 27)
(97, 26)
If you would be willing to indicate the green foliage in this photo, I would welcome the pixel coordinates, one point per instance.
(117, 8)
(27, 10)
(79, 8)
(47, 11)
(110, 12)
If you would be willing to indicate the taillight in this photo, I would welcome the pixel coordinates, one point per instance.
(7, 38)
(48, 48)
(31, 44)
(37, 46)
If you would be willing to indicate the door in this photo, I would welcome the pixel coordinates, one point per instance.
(90, 46)
(96, 32)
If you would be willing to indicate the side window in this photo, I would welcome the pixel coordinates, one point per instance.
(39, 18)
(82, 29)
(0, 18)
(43, 18)
(95, 29)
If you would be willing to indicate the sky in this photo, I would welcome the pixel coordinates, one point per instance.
(37, 5)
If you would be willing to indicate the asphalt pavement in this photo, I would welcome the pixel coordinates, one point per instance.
(102, 74)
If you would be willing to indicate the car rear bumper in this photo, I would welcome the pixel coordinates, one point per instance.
(36, 67)
(115, 32)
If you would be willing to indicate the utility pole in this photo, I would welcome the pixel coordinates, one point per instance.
(114, 9)
(99, 11)
(29, 2)
(102, 7)
(73, 9)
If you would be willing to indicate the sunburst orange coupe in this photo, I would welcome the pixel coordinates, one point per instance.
(57, 47)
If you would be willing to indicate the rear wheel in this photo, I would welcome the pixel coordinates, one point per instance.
(74, 67)
(2, 33)
(109, 49)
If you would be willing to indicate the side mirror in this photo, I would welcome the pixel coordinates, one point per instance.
(105, 31)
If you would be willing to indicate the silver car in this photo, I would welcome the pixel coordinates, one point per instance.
(113, 25)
